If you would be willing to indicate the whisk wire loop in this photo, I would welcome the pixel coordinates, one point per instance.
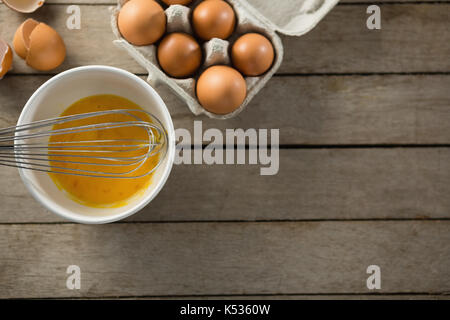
(31, 146)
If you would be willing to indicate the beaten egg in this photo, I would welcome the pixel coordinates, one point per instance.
(102, 192)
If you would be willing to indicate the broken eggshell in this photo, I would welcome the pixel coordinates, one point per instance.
(6, 58)
(40, 45)
(24, 6)
(21, 41)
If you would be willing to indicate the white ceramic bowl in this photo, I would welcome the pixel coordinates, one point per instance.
(54, 96)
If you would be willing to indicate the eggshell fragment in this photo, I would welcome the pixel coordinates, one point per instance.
(221, 89)
(6, 58)
(252, 54)
(142, 22)
(40, 45)
(21, 41)
(47, 49)
(214, 19)
(179, 55)
(182, 2)
(24, 6)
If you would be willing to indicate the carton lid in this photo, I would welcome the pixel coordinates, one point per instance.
(290, 17)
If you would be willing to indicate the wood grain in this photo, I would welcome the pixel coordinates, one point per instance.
(304, 297)
(224, 258)
(312, 184)
(199, 238)
(414, 38)
(113, 2)
(341, 43)
(337, 110)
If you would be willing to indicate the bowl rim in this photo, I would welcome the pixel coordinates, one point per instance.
(170, 155)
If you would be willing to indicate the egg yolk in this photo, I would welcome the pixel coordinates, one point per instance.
(101, 191)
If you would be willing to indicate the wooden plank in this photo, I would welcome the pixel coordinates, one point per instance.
(377, 2)
(304, 297)
(312, 110)
(341, 43)
(113, 2)
(311, 184)
(224, 258)
(345, 2)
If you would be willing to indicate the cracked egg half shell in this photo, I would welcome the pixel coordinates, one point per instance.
(40, 45)
(24, 6)
(6, 58)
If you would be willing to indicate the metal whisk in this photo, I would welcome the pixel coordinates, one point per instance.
(48, 145)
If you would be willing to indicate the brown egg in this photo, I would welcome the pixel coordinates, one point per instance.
(214, 19)
(179, 55)
(252, 54)
(221, 89)
(183, 2)
(142, 22)
(6, 58)
(40, 45)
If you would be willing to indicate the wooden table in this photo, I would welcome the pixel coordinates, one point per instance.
(364, 119)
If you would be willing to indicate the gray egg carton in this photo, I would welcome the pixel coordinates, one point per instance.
(261, 16)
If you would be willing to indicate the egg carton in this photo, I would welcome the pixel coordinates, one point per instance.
(262, 16)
